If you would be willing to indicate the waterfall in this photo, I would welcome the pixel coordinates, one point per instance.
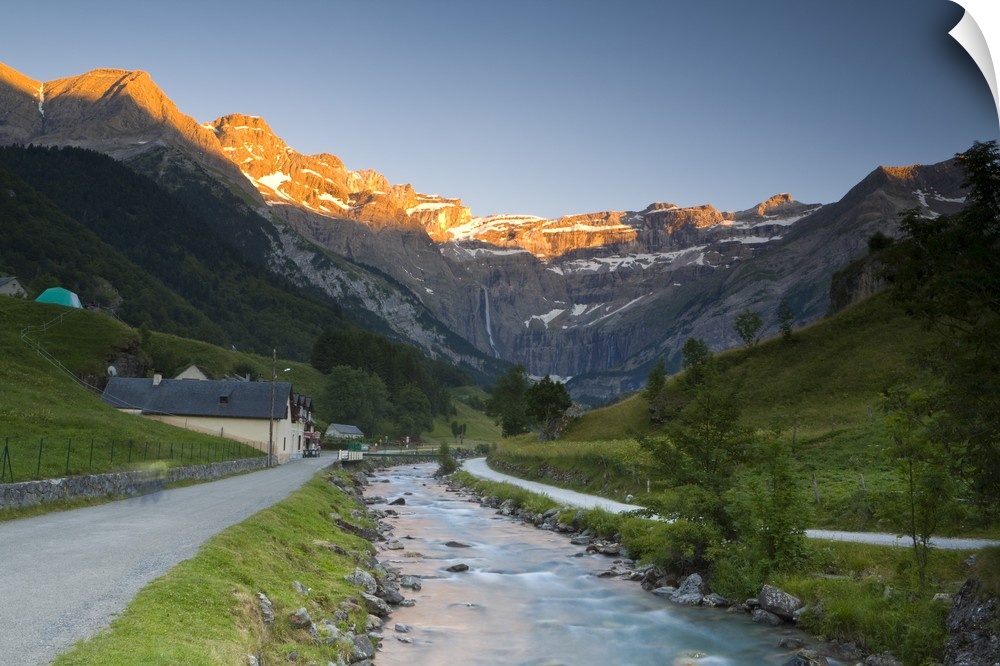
(489, 329)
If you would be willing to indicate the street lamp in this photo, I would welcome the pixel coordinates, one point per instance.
(270, 420)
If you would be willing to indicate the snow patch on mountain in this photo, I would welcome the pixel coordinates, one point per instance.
(922, 197)
(615, 262)
(544, 318)
(480, 225)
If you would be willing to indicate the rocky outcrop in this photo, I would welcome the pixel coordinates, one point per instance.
(322, 184)
(856, 282)
(118, 112)
(973, 636)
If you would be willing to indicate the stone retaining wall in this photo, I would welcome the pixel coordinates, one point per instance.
(136, 482)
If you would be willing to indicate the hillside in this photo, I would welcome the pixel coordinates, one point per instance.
(826, 379)
(819, 395)
(58, 407)
(43, 402)
(175, 244)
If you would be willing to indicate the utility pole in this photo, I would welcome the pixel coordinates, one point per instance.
(270, 419)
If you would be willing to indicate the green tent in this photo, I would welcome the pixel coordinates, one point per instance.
(60, 296)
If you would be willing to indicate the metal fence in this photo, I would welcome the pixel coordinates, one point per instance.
(48, 459)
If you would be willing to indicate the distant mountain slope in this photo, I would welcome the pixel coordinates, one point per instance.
(39, 242)
(224, 296)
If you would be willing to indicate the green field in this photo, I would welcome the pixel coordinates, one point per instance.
(52, 420)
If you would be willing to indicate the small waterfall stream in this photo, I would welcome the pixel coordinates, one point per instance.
(489, 325)
(529, 597)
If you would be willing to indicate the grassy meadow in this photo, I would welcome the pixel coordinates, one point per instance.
(819, 394)
(52, 420)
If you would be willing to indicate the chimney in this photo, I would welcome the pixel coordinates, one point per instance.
(157, 378)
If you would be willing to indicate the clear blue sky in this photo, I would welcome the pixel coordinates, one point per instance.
(553, 107)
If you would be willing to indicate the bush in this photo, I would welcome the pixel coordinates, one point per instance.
(738, 573)
(448, 464)
(688, 546)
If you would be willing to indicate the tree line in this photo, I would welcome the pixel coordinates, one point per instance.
(385, 388)
(517, 404)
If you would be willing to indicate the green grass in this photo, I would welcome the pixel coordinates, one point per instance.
(479, 428)
(828, 378)
(822, 392)
(870, 595)
(205, 610)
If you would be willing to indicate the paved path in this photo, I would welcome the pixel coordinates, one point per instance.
(478, 467)
(64, 576)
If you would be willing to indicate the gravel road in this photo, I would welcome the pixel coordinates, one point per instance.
(64, 576)
(478, 467)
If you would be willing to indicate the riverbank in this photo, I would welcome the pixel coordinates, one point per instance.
(241, 599)
(506, 585)
(865, 596)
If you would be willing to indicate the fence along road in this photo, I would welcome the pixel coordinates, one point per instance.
(65, 575)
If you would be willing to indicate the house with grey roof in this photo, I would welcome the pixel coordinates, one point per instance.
(266, 415)
(9, 286)
(343, 431)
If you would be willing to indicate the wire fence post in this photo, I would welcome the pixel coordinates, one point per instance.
(5, 462)
(38, 468)
(112, 452)
(90, 465)
(69, 447)
(130, 442)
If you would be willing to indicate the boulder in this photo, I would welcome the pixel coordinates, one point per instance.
(363, 649)
(761, 616)
(266, 609)
(411, 582)
(300, 619)
(363, 579)
(691, 592)
(779, 602)
(391, 596)
(374, 605)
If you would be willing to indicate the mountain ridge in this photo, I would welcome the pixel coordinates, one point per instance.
(595, 293)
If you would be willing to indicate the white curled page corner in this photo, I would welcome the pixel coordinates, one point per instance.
(981, 39)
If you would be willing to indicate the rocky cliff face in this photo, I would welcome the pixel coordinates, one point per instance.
(597, 297)
(323, 185)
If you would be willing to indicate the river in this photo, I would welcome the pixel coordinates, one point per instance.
(530, 597)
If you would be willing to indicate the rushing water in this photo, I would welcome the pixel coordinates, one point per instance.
(532, 598)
